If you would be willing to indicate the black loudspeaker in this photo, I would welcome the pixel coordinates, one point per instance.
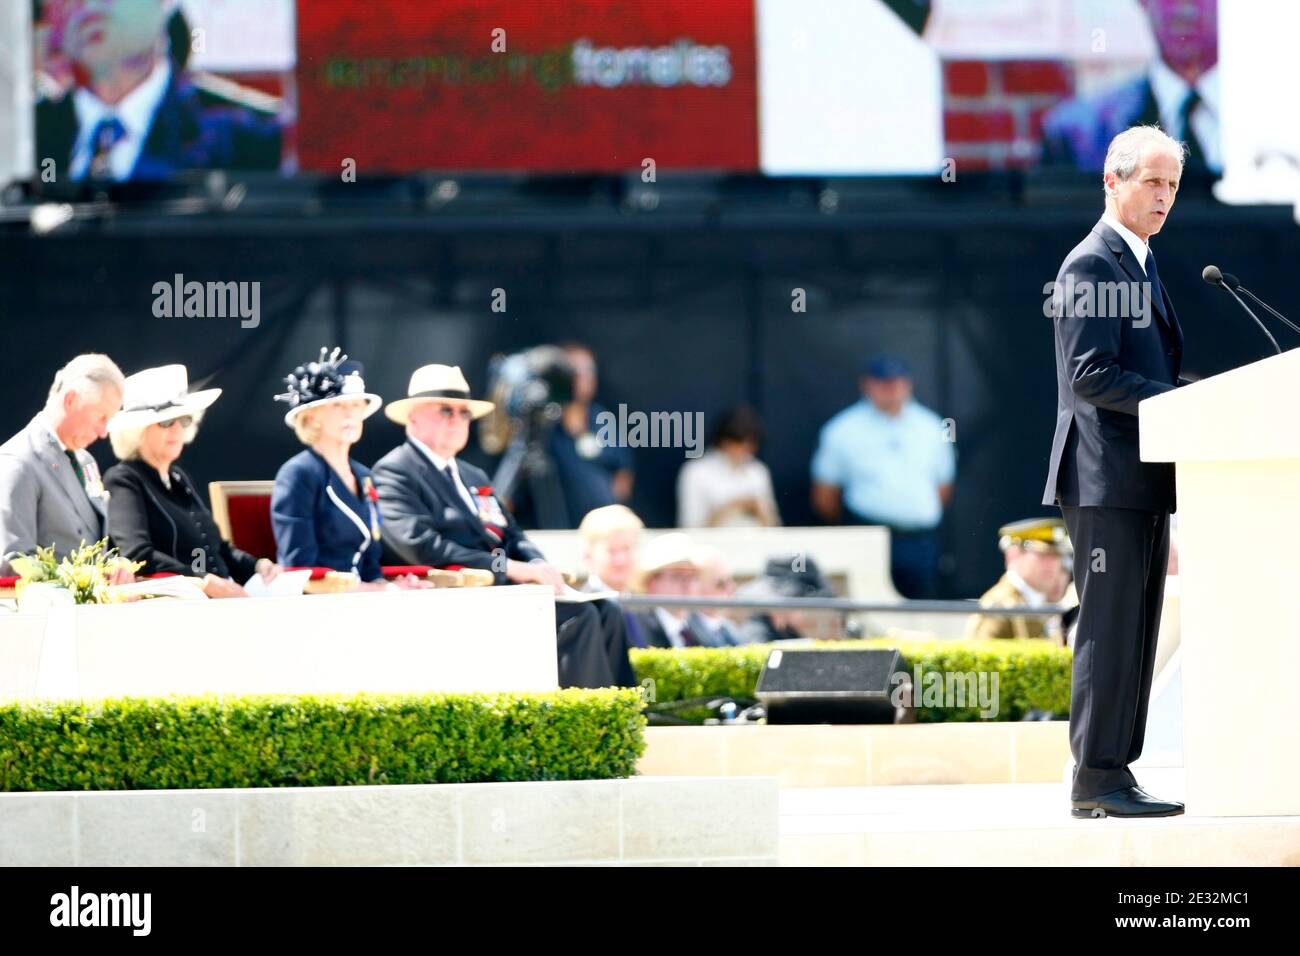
(835, 687)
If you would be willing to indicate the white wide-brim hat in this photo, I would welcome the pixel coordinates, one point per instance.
(436, 383)
(158, 395)
(674, 549)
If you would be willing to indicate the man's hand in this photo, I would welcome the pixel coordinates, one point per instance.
(121, 573)
(621, 484)
(218, 587)
(535, 572)
(409, 582)
(268, 569)
(826, 502)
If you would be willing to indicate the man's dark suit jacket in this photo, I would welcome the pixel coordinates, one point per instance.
(426, 521)
(651, 632)
(1077, 132)
(1105, 365)
(192, 129)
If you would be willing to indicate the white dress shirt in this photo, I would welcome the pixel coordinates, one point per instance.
(441, 464)
(1140, 248)
(135, 113)
(672, 625)
(1032, 597)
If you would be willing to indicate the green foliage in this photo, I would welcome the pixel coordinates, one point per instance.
(85, 573)
(1032, 674)
(327, 740)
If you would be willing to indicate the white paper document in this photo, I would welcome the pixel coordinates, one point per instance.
(285, 584)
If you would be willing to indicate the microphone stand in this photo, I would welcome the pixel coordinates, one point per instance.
(1271, 311)
(1226, 288)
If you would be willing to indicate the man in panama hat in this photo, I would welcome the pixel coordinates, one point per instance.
(438, 510)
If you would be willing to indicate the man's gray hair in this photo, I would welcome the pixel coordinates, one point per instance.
(1126, 149)
(86, 375)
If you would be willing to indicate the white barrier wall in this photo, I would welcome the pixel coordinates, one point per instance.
(859, 552)
(454, 640)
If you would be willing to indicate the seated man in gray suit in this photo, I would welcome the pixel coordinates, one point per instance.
(50, 491)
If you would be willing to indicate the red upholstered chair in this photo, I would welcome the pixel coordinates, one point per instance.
(242, 510)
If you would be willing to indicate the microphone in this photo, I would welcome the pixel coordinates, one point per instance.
(1232, 282)
(1214, 276)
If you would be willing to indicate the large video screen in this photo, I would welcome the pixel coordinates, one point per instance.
(145, 89)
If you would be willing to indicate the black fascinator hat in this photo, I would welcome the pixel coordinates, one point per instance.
(331, 378)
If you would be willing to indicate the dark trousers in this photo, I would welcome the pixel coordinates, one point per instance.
(914, 563)
(1120, 559)
(591, 643)
(913, 557)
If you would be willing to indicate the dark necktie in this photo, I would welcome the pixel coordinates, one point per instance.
(108, 132)
(688, 637)
(76, 466)
(451, 482)
(1157, 303)
(1195, 153)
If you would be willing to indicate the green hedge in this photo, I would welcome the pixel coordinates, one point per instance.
(294, 741)
(1032, 674)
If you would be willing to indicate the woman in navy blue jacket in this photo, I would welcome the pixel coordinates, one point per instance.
(324, 508)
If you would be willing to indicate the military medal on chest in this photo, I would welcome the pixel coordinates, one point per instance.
(489, 510)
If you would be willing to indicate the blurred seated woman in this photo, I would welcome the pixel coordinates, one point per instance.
(728, 486)
(155, 514)
(324, 507)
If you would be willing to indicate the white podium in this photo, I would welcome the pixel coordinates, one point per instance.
(453, 640)
(1235, 439)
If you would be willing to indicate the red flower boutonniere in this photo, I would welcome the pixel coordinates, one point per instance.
(484, 492)
(368, 488)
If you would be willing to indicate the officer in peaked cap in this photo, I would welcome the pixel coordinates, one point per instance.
(1039, 560)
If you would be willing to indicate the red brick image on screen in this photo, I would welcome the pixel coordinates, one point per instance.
(579, 87)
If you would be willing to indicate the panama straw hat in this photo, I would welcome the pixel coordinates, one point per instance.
(436, 383)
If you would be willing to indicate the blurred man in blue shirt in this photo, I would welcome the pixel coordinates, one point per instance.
(888, 460)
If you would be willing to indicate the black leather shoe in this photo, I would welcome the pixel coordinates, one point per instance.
(1177, 803)
(1126, 802)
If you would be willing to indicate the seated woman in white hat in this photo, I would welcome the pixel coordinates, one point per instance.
(155, 513)
(324, 507)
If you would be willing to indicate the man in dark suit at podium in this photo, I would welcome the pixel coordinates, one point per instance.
(1117, 342)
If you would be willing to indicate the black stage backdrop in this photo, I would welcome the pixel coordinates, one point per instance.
(686, 312)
